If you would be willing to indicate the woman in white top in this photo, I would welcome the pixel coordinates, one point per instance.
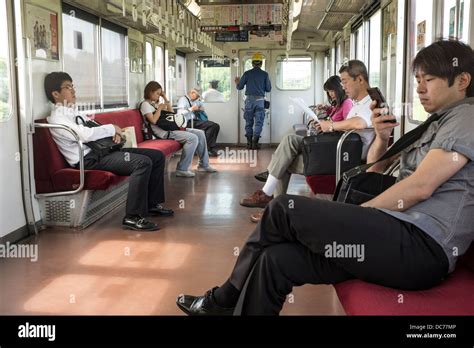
(192, 139)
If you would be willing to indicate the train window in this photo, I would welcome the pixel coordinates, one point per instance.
(359, 44)
(338, 55)
(294, 73)
(375, 49)
(208, 70)
(421, 37)
(81, 55)
(159, 64)
(6, 106)
(149, 61)
(114, 69)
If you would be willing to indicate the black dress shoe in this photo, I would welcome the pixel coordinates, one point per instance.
(202, 305)
(262, 176)
(137, 223)
(160, 210)
(213, 153)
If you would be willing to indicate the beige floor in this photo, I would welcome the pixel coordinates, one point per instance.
(106, 270)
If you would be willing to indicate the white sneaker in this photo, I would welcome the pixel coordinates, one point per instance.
(207, 169)
(185, 174)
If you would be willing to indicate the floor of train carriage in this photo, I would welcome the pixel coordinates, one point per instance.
(104, 270)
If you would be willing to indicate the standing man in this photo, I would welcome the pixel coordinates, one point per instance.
(257, 82)
(189, 105)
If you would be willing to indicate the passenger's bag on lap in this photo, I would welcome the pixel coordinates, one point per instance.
(357, 186)
(169, 121)
(101, 147)
(319, 153)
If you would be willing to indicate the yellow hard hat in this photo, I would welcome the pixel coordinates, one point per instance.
(257, 57)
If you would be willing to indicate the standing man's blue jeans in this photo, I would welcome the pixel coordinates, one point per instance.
(254, 112)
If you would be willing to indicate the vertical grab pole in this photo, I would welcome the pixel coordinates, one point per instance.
(339, 153)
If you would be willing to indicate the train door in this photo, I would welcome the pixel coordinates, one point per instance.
(12, 214)
(292, 77)
(245, 58)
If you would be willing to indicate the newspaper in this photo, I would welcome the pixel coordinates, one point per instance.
(300, 102)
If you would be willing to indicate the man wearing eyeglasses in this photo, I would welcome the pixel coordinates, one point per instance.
(144, 166)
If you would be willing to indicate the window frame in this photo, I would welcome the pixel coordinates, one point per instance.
(296, 56)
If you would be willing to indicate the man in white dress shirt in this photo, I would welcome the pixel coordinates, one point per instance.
(144, 166)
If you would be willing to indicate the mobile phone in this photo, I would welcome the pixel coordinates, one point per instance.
(376, 95)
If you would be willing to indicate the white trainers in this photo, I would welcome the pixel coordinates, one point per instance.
(207, 169)
(185, 174)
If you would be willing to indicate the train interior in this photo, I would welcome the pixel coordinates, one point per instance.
(82, 261)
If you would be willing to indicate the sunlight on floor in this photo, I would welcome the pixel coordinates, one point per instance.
(137, 254)
(77, 294)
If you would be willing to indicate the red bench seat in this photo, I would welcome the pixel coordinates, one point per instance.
(454, 296)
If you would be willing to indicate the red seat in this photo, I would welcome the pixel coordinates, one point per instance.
(322, 184)
(454, 296)
(168, 147)
(53, 173)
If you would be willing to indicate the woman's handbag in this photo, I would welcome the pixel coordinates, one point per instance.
(319, 153)
(357, 186)
(104, 146)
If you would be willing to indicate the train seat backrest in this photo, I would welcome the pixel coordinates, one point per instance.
(47, 159)
(123, 119)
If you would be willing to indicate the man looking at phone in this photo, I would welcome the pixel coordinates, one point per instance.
(288, 157)
(413, 232)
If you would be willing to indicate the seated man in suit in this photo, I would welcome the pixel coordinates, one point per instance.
(189, 105)
(144, 166)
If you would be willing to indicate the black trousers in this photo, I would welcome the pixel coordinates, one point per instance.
(210, 128)
(146, 170)
(301, 240)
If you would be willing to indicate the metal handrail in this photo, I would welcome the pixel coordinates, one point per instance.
(393, 167)
(339, 150)
(81, 160)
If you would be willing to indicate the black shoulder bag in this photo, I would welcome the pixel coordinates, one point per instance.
(319, 152)
(104, 146)
(357, 186)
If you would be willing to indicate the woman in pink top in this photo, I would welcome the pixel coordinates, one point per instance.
(340, 104)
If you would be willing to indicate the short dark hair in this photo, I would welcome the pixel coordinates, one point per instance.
(151, 87)
(355, 68)
(214, 84)
(53, 82)
(447, 59)
(334, 84)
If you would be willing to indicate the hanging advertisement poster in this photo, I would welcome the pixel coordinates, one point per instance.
(42, 30)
